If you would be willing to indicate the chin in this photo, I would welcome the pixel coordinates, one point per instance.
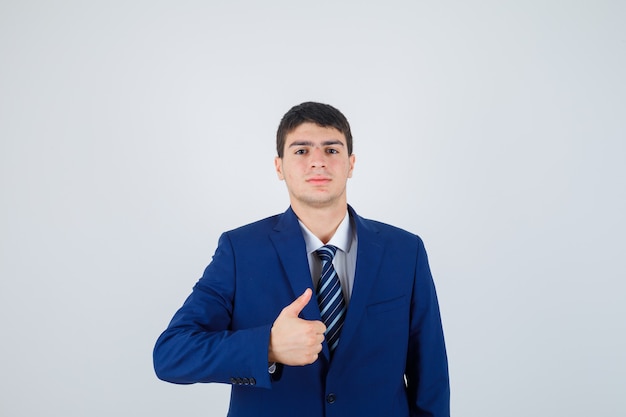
(319, 202)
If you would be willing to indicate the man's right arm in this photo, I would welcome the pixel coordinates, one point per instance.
(200, 346)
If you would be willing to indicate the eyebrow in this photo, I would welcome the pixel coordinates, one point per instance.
(309, 143)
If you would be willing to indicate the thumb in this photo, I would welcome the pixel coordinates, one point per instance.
(299, 303)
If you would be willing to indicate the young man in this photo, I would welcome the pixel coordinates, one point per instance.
(316, 311)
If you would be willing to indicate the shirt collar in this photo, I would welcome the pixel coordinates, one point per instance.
(342, 238)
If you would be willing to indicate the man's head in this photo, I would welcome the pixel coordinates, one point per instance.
(322, 115)
(315, 158)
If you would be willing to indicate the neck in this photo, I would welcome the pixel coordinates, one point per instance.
(322, 222)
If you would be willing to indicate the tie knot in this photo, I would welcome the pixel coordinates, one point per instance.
(326, 253)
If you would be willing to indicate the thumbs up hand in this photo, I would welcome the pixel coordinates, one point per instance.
(294, 341)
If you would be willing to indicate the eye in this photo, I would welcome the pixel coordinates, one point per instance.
(332, 150)
(300, 152)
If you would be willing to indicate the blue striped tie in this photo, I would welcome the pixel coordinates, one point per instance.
(330, 297)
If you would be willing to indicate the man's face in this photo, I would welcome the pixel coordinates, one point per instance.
(315, 166)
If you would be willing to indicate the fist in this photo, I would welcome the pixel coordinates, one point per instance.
(295, 341)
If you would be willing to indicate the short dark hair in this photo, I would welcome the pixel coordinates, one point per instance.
(323, 115)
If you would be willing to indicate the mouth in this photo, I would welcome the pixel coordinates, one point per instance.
(318, 180)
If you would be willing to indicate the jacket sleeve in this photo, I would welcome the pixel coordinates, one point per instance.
(199, 345)
(427, 365)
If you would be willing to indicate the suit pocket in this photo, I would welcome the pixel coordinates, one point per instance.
(388, 320)
(387, 307)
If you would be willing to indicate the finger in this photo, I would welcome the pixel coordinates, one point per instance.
(315, 357)
(319, 328)
(299, 303)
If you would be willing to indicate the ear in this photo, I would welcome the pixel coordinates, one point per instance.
(352, 160)
(278, 165)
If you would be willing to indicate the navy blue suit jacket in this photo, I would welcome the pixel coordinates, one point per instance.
(390, 361)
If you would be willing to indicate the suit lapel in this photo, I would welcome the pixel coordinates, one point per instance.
(291, 248)
(369, 255)
(289, 243)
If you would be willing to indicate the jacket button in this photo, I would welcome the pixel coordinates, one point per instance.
(233, 380)
(330, 398)
(246, 381)
(252, 381)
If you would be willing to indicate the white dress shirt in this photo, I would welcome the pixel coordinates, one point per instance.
(345, 240)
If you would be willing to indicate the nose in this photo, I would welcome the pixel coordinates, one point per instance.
(318, 158)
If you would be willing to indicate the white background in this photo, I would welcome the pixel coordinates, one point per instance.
(132, 133)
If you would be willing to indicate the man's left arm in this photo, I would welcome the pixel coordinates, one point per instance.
(427, 365)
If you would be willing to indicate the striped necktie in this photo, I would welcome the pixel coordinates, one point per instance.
(330, 297)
